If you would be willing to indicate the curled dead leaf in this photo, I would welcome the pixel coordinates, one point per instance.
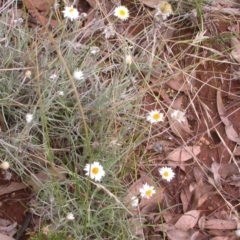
(180, 82)
(188, 220)
(150, 3)
(184, 153)
(220, 224)
(235, 44)
(229, 129)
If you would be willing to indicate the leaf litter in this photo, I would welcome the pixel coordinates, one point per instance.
(192, 215)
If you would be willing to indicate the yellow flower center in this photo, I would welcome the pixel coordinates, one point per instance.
(122, 13)
(156, 116)
(71, 10)
(149, 192)
(95, 170)
(166, 174)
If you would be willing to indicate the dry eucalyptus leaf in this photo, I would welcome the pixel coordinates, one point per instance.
(151, 3)
(12, 187)
(214, 169)
(220, 224)
(179, 83)
(236, 151)
(5, 237)
(188, 220)
(174, 233)
(184, 153)
(92, 3)
(229, 129)
(180, 129)
(136, 227)
(226, 170)
(235, 44)
(202, 222)
(185, 198)
(220, 238)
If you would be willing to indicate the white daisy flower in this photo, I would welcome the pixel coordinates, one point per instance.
(147, 191)
(28, 74)
(78, 74)
(60, 93)
(178, 115)
(70, 216)
(164, 9)
(94, 50)
(237, 232)
(94, 171)
(166, 173)
(29, 117)
(109, 31)
(128, 59)
(121, 12)
(5, 165)
(134, 201)
(155, 116)
(54, 77)
(71, 13)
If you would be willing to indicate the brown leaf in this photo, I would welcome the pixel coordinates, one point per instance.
(150, 3)
(214, 169)
(220, 238)
(184, 153)
(92, 3)
(43, 6)
(5, 237)
(236, 151)
(235, 44)
(174, 233)
(220, 224)
(12, 187)
(202, 222)
(226, 170)
(229, 129)
(188, 220)
(179, 83)
(180, 129)
(185, 198)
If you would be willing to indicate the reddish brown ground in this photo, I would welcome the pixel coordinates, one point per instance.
(210, 75)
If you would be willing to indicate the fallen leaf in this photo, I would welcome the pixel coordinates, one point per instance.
(184, 153)
(188, 220)
(150, 3)
(202, 223)
(180, 129)
(235, 44)
(220, 238)
(180, 83)
(214, 169)
(220, 224)
(185, 198)
(226, 170)
(173, 232)
(12, 187)
(5, 237)
(229, 129)
(236, 151)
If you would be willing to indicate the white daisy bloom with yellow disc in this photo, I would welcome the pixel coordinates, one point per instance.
(70, 13)
(155, 116)
(147, 191)
(121, 12)
(94, 171)
(167, 173)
